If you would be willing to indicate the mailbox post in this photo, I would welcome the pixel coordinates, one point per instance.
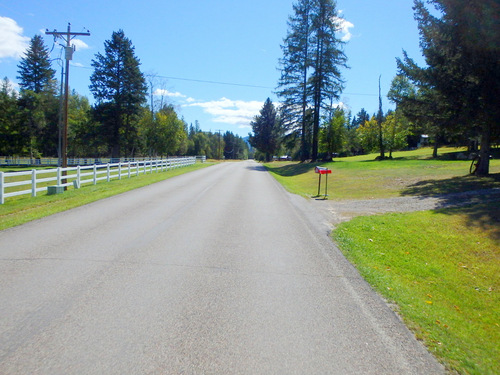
(325, 171)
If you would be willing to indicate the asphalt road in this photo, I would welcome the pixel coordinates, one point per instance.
(218, 271)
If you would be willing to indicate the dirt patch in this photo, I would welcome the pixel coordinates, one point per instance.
(337, 212)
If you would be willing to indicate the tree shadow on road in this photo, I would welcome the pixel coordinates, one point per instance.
(289, 170)
(258, 168)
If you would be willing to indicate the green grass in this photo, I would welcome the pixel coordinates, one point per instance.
(409, 173)
(440, 269)
(22, 209)
(442, 272)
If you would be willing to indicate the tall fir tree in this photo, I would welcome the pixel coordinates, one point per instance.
(267, 130)
(461, 83)
(327, 59)
(120, 89)
(380, 120)
(310, 68)
(35, 72)
(294, 66)
(10, 131)
(37, 103)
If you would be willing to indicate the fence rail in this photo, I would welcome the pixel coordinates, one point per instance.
(37, 180)
(27, 161)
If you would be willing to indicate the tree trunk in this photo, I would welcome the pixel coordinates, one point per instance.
(483, 168)
(435, 150)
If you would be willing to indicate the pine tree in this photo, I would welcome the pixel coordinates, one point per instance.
(360, 118)
(461, 83)
(294, 73)
(120, 89)
(267, 128)
(35, 72)
(10, 132)
(327, 57)
(310, 75)
(380, 120)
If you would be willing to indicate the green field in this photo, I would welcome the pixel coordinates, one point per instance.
(439, 269)
(24, 208)
(409, 173)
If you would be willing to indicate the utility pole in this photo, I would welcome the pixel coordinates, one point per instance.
(67, 37)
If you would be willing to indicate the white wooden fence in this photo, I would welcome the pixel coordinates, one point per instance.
(27, 161)
(40, 180)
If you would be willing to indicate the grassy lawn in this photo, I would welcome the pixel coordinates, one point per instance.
(21, 209)
(409, 173)
(442, 272)
(440, 268)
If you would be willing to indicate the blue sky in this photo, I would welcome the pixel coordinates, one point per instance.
(216, 61)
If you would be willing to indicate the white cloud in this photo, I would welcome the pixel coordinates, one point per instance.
(341, 105)
(79, 44)
(234, 112)
(12, 42)
(344, 27)
(162, 92)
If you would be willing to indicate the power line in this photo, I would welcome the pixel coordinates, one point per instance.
(217, 82)
(232, 83)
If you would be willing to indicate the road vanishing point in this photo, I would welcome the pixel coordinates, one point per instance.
(217, 271)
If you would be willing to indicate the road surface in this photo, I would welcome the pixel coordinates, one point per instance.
(218, 271)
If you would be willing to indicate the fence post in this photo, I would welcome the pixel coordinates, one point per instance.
(129, 169)
(95, 174)
(78, 175)
(33, 183)
(2, 181)
(120, 170)
(107, 172)
(58, 176)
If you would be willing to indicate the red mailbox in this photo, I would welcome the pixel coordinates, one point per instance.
(320, 171)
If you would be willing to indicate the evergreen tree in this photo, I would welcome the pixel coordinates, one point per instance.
(120, 89)
(461, 83)
(310, 76)
(234, 147)
(326, 82)
(267, 130)
(294, 66)
(38, 106)
(380, 120)
(35, 72)
(11, 136)
(360, 118)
